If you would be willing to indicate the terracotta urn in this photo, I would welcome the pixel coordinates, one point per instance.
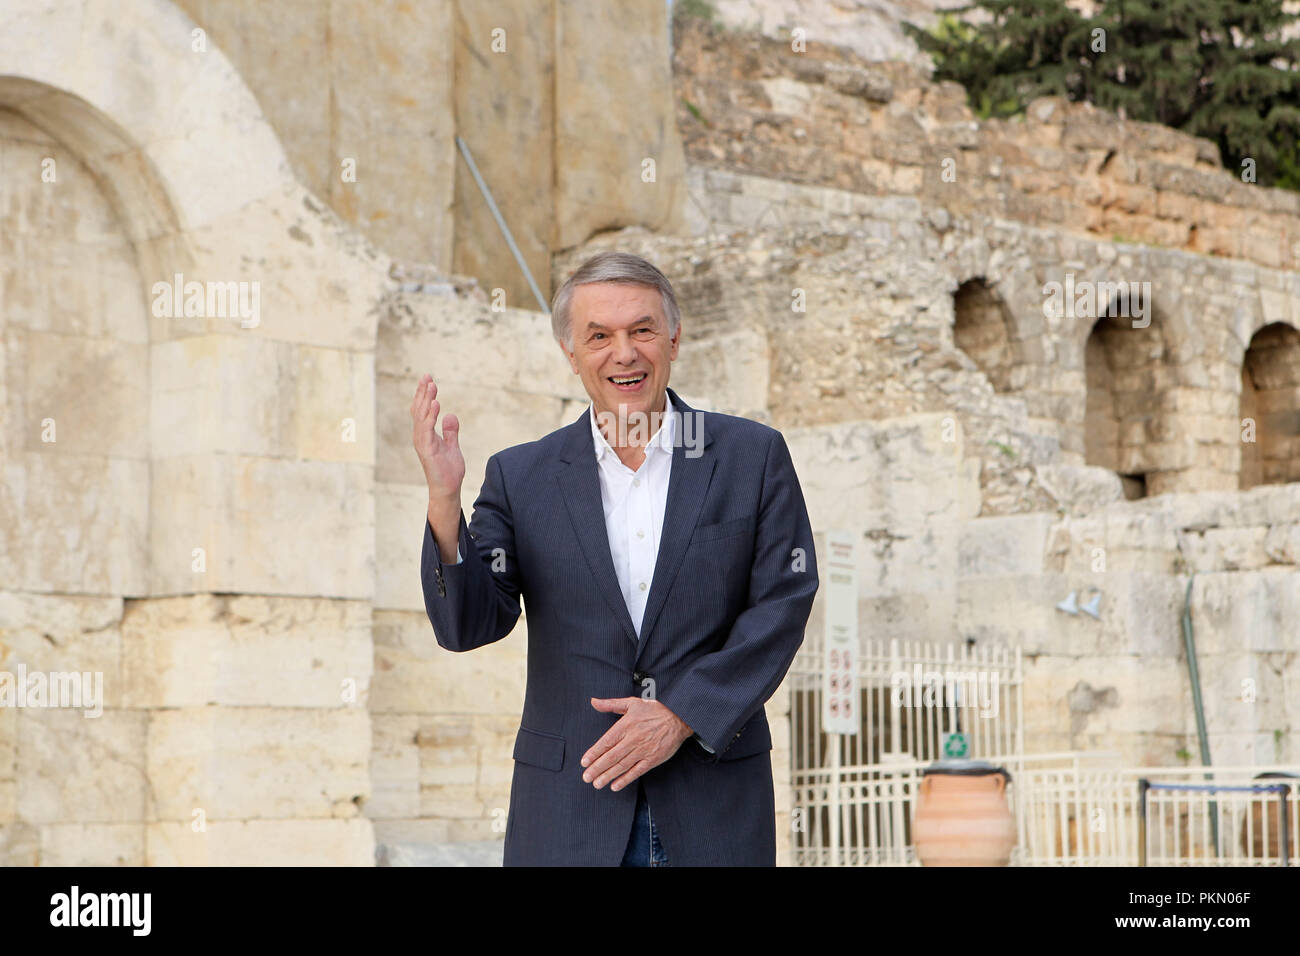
(962, 816)
(1262, 805)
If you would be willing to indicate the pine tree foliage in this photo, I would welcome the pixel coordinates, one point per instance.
(1220, 69)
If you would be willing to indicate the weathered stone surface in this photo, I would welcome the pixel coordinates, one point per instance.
(414, 675)
(258, 763)
(266, 525)
(262, 843)
(78, 844)
(78, 769)
(245, 651)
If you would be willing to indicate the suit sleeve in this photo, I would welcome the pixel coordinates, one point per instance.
(476, 600)
(721, 690)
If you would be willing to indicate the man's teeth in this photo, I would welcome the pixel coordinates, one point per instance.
(627, 381)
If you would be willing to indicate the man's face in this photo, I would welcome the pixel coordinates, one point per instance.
(620, 332)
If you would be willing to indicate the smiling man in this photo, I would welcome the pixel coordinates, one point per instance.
(667, 585)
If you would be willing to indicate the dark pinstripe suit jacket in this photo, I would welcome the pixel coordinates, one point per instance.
(733, 586)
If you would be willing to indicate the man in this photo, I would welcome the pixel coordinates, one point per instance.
(666, 561)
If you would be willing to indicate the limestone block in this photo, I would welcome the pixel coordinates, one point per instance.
(316, 282)
(335, 405)
(258, 762)
(103, 844)
(394, 767)
(1240, 611)
(95, 391)
(223, 393)
(511, 140)
(1241, 749)
(67, 635)
(788, 97)
(262, 843)
(929, 614)
(8, 747)
(1226, 549)
(75, 769)
(731, 368)
(255, 519)
(994, 547)
(245, 651)
(1016, 609)
(1282, 543)
(455, 339)
(902, 471)
(893, 557)
(1241, 692)
(416, 93)
(395, 837)
(600, 189)
(19, 845)
(413, 674)
(1080, 490)
(1106, 696)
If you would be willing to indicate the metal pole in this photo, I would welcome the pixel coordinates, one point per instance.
(1286, 826)
(505, 230)
(1143, 784)
(1194, 675)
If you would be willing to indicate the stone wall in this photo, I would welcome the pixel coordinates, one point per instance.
(531, 87)
(187, 496)
(749, 104)
(978, 508)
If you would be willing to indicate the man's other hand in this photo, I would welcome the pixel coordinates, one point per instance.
(645, 736)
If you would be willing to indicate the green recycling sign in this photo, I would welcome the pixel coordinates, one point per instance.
(955, 746)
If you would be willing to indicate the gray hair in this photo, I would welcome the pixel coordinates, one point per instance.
(611, 267)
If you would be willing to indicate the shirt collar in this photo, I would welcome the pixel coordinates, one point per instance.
(663, 438)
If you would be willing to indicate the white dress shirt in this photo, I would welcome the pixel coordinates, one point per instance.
(634, 503)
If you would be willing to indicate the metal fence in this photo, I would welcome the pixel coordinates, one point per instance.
(855, 794)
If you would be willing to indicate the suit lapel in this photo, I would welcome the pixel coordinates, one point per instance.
(688, 481)
(580, 489)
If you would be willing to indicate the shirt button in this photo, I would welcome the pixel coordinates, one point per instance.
(642, 585)
(640, 534)
(636, 482)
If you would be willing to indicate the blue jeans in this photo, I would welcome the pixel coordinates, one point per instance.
(644, 848)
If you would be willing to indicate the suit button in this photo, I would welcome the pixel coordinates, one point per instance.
(640, 677)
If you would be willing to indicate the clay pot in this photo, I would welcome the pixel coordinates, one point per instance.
(962, 816)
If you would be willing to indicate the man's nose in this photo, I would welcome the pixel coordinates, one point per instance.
(625, 350)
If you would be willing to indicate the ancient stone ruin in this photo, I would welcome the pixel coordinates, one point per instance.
(1015, 359)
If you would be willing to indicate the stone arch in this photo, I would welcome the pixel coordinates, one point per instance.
(1270, 397)
(172, 122)
(1127, 374)
(982, 329)
(173, 143)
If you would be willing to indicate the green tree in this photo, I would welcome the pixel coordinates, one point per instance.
(1213, 68)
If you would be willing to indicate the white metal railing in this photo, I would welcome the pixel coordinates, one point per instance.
(854, 793)
(1071, 809)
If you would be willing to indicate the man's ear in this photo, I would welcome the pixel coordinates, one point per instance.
(568, 355)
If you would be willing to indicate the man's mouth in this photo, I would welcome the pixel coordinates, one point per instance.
(628, 383)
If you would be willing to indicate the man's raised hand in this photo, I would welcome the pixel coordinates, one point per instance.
(440, 456)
